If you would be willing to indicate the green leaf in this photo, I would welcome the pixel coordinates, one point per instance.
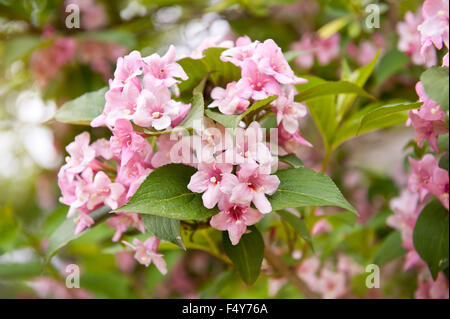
(20, 271)
(298, 225)
(332, 27)
(65, 233)
(305, 187)
(291, 55)
(391, 63)
(83, 109)
(358, 77)
(330, 88)
(435, 83)
(164, 193)
(18, 48)
(164, 228)
(443, 162)
(292, 160)
(247, 255)
(122, 37)
(390, 249)
(386, 116)
(431, 236)
(220, 72)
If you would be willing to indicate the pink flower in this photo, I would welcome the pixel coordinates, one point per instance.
(233, 99)
(259, 84)
(165, 142)
(252, 183)
(348, 266)
(125, 142)
(306, 43)
(208, 179)
(406, 209)
(122, 221)
(427, 130)
(271, 61)
(288, 111)
(434, 29)
(290, 141)
(249, 146)
(99, 190)
(410, 41)
(155, 108)
(210, 42)
(332, 284)
(243, 50)
(421, 174)
(234, 218)
(427, 177)
(163, 69)
(429, 289)
(308, 272)
(321, 227)
(146, 253)
(83, 221)
(210, 140)
(327, 49)
(127, 69)
(81, 153)
(121, 103)
(429, 110)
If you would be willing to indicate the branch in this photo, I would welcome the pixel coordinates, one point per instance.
(284, 270)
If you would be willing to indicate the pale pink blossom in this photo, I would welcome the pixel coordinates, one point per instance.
(308, 272)
(271, 61)
(146, 253)
(322, 226)
(332, 284)
(127, 69)
(259, 84)
(243, 50)
(435, 27)
(163, 69)
(290, 141)
(234, 218)
(288, 111)
(306, 44)
(427, 177)
(156, 109)
(327, 49)
(81, 154)
(125, 142)
(249, 146)
(410, 41)
(83, 221)
(232, 100)
(121, 103)
(210, 42)
(208, 180)
(430, 289)
(348, 266)
(252, 184)
(121, 222)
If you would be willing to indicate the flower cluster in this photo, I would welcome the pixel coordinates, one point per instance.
(420, 32)
(234, 168)
(324, 50)
(141, 92)
(428, 121)
(331, 283)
